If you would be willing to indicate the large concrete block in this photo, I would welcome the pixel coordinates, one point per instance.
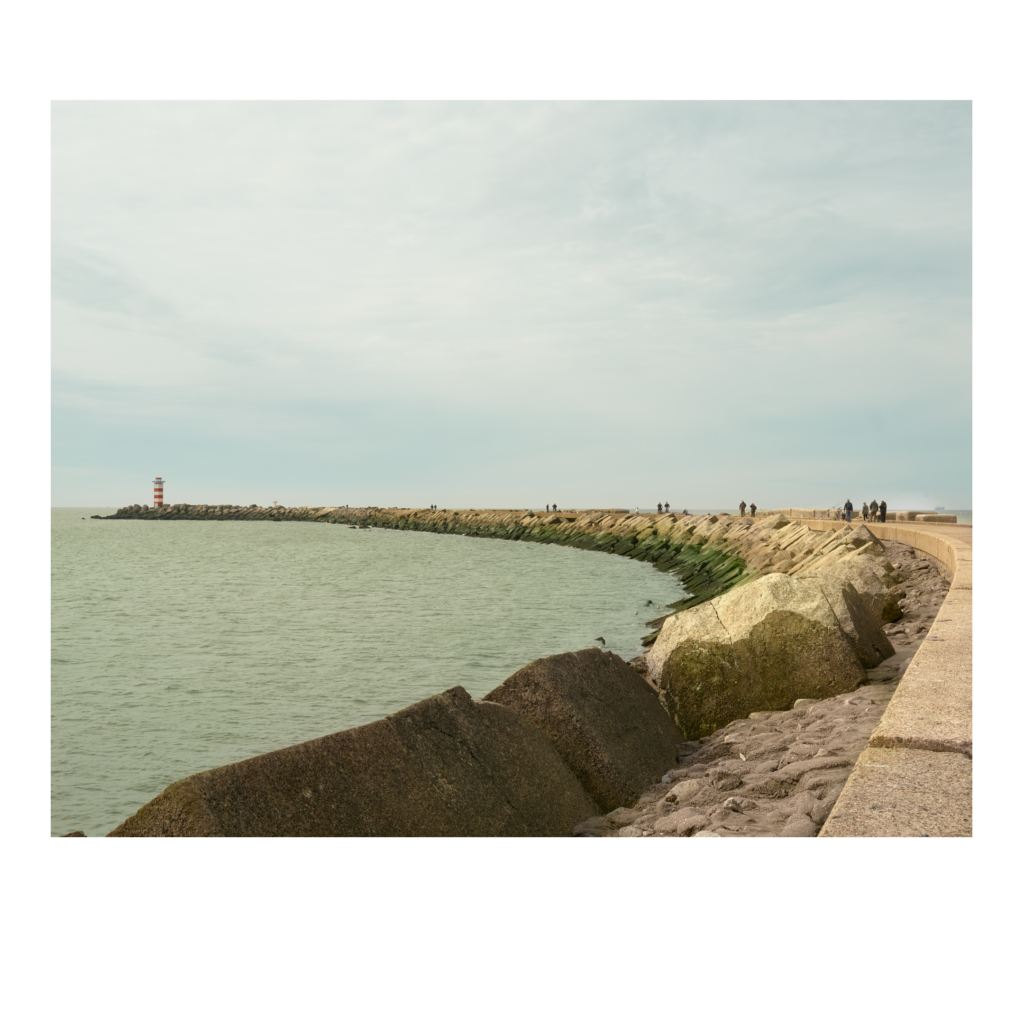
(756, 648)
(447, 766)
(601, 716)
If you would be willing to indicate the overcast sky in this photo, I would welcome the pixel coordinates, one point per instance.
(509, 304)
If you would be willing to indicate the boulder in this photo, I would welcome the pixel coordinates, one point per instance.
(758, 647)
(604, 720)
(446, 766)
(858, 621)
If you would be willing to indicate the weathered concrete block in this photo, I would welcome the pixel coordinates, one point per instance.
(605, 721)
(446, 766)
(759, 647)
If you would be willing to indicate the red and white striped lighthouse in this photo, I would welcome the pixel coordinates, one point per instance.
(158, 492)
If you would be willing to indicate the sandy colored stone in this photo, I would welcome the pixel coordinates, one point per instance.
(683, 822)
(758, 647)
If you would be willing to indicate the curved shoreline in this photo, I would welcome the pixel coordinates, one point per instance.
(923, 728)
(681, 545)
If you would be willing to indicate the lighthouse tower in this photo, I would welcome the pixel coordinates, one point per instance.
(158, 492)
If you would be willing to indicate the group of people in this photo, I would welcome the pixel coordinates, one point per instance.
(663, 506)
(743, 509)
(873, 513)
(551, 508)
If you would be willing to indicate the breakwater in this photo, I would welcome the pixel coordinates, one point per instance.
(690, 547)
(814, 591)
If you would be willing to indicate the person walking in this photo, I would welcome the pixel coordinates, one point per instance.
(874, 509)
(848, 509)
(881, 510)
(753, 510)
(659, 508)
(864, 511)
(666, 506)
(743, 508)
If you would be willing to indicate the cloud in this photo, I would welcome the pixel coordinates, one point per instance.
(481, 270)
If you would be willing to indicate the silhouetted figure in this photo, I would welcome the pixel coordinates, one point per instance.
(659, 507)
(864, 511)
(666, 506)
(753, 510)
(547, 508)
(881, 510)
(554, 507)
(874, 509)
(848, 509)
(743, 508)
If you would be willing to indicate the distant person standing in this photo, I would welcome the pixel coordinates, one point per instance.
(666, 506)
(864, 511)
(743, 509)
(753, 510)
(874, 509)
(659, 507)
(881, 511)
(547, 508)
(848, 509)
(554, 507)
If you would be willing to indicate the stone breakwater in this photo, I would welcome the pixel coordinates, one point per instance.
(576, 735)
(695, 548)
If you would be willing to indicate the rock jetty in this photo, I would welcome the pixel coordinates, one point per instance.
(687, 546)
(710, 554)
(775, 613)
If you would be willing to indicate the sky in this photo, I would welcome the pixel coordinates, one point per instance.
(506, 304)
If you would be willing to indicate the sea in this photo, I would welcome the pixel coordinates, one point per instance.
(181, 646)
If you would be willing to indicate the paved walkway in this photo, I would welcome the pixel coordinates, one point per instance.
(914, 778)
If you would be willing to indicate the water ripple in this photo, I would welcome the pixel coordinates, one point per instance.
(177, 647)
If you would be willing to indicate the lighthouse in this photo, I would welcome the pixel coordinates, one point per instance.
(158, 492)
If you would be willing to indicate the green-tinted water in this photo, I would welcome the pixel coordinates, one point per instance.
(180, 646)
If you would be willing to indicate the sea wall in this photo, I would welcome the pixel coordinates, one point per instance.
(915, 778)
(923, 739)
(707, 555)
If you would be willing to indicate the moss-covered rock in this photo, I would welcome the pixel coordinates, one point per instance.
(757, 648)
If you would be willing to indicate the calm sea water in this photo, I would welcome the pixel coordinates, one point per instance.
(181, 646)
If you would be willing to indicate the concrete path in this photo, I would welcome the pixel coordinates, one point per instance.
(914, 778)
